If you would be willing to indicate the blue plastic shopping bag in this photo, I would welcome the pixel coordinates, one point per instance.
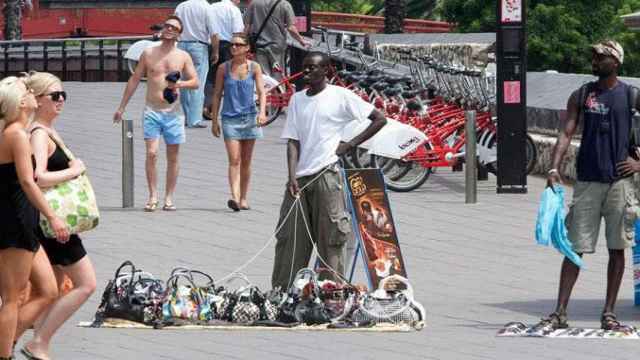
(550, 227)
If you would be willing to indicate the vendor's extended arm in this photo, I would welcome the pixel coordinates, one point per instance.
(377, 122)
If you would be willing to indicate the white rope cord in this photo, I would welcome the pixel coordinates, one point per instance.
(273, 237)
(266, 245)
(295, 240)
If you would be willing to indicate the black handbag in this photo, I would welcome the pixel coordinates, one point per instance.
(238, 305)
(339, 297)
(134, 296)
(302, 303)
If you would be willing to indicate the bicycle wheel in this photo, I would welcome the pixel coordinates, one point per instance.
(400, 175)
(531, 155)
(274, 104)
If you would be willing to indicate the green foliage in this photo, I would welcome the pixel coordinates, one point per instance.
(416, 9)
(559, 31)
(347, 6)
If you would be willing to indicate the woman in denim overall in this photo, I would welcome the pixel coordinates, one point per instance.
(239, 79)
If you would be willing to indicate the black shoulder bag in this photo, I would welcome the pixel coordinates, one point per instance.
(254, 37)
(634, 137)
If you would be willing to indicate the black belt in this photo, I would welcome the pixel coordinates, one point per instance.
(194, 41)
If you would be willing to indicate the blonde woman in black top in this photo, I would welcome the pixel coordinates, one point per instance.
(21, 258)
(54, 167)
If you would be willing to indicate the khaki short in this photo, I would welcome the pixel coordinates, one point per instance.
(616, 202)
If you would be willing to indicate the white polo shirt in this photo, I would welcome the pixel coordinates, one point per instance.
(227, 18)
(318, 121)
(197, 21)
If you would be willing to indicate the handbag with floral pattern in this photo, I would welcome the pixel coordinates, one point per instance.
(73, 201)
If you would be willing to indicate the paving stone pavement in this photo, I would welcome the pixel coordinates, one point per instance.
(474, 267)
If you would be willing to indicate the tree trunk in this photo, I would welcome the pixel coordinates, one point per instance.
(394, 14)
(12, 13)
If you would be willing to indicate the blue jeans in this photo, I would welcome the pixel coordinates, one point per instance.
(192, 101)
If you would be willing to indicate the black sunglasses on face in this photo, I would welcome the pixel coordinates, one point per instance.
(56, 95)
(171, 27)
(238, 44)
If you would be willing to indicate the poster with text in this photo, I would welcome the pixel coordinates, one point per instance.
(511, 11)
(374, 225)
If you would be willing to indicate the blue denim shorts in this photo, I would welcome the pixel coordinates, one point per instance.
(243, 127)
(168, 123)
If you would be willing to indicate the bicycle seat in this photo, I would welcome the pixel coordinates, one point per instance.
(353, 46)
(392, 91)
(399, 79)
(374, 78)
(414, 106)
(381, 85)
(353, 78)
(374, 72)
(364, 84)
(408, 94)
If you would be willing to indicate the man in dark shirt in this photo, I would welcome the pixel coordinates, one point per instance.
(604, 188)
(272, 42)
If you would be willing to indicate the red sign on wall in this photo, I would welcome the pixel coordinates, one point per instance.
(511, 11)
(301, 23)
(512, 92)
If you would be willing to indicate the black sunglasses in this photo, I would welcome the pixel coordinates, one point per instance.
(56, 95)
(171, 27)
(238, 44)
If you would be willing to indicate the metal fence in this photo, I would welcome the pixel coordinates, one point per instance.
(74, 59)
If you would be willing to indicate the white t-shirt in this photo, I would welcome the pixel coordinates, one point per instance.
(227, 18)
(317, 123)
(197, 21)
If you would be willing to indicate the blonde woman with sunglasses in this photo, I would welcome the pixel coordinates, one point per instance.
(54, 167)
(21, 257)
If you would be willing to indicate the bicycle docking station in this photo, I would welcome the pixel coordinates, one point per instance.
(511, 61)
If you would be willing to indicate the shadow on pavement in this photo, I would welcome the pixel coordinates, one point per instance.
(579, 309)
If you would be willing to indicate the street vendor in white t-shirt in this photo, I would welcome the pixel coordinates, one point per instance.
(316, 118)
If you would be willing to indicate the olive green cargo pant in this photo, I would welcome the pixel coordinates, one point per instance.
(323, 206)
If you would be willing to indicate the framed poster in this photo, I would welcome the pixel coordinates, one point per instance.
(512, 92)
(374, 226)
(511, 11)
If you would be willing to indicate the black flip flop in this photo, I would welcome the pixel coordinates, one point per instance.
(28, 354)
(233, 205)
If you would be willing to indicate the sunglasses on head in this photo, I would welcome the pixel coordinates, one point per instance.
(57, 95)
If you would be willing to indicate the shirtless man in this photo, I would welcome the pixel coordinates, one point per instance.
(160, 116)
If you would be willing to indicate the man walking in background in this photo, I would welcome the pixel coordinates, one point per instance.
(270, 32)
(227, 18)
(199, 32)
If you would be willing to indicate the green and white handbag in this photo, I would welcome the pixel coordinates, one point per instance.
(73, 201)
